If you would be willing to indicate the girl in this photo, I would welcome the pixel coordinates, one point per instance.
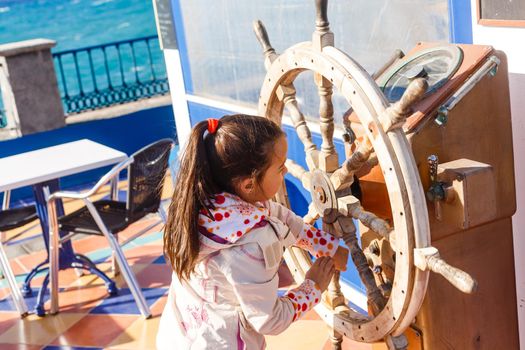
(225, 239)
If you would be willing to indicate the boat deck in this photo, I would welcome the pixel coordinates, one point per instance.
(90, 319)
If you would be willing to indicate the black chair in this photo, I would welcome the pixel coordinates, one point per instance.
(17, 217)
(146, 172)
(10, 219)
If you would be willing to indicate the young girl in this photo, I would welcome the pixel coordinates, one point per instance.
(225, 239)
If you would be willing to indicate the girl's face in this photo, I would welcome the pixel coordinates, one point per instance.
(273, 177)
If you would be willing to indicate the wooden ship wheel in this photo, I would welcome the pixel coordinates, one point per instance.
(392, 306)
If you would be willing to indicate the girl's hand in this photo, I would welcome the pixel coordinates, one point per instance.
(321, 272)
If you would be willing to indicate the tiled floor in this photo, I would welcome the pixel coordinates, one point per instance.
(90, 319)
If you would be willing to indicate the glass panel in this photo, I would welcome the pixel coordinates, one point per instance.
(226, 60)
(503, 9)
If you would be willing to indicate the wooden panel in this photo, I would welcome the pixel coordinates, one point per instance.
(471, 200)
(479, 129)
(375, 195)
(487, 319)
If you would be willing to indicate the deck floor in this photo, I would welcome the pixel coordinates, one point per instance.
(90, 319)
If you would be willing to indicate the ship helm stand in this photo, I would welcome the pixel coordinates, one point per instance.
(382, 143)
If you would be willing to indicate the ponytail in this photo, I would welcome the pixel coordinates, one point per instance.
(194, 187)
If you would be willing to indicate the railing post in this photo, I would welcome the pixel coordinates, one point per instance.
(29, 88)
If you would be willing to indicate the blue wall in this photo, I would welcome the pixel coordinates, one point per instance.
(127, 133)
(460, 21)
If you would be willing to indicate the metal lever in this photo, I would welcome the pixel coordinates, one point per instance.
(436, 191)
(428, 259)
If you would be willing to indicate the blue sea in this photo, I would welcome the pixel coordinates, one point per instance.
(76, 23)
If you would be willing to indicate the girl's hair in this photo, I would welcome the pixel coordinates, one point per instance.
(241, 147)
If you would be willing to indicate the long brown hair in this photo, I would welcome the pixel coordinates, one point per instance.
(212, 163)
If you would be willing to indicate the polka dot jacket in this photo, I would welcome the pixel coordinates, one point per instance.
(231, 300)
(230, 209)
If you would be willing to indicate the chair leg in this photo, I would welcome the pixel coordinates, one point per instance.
(9, 275)
(78, 270)
(26, 286)
(114, 265)
(5, 206)
(91, 267)
(39, 307)
(162, 214)
(121, 260)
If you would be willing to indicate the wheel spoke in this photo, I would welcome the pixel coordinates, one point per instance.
(344, 176)
(262, 37)
(350, 206)
(345, 226)
(299, 173)
(328, 161)
(335, 297)
(394, 116)
(312, 215)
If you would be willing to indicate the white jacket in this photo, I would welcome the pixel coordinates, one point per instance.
(231, 300)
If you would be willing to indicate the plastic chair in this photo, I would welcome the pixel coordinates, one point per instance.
(146, 172)
(10, 219)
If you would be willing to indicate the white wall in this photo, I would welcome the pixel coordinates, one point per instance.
(512, 42)
(178, 96)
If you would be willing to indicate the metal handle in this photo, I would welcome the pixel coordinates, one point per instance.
(489, 67)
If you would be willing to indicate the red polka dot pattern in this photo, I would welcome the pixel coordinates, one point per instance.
(316, 241)
(231, 217)
(308, 290)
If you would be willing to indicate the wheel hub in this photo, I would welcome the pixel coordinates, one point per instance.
(323, 194)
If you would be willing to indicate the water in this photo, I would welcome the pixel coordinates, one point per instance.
(76, 23)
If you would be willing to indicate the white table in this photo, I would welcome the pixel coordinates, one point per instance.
(55, 162)
(41, 169)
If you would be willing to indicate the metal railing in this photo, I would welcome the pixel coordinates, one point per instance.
(3, 117)
(104, 75)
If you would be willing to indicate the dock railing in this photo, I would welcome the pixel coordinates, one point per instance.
(3, 117)
(115, 73)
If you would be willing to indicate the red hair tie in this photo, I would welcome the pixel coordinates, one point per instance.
(213, 124)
